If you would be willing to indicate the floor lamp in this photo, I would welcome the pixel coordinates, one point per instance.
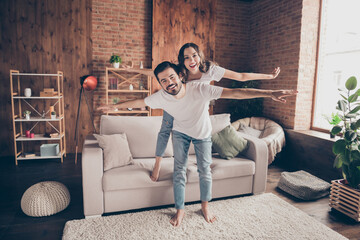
(88, 83)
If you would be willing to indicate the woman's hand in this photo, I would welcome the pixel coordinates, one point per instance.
(276, 72)
(280, 95)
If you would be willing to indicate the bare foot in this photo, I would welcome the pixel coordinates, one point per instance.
(155, 173)
(209, 217)
(177, 218)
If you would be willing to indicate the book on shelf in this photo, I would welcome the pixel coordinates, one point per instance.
(27, 155)
(51, 135)
(54, 135)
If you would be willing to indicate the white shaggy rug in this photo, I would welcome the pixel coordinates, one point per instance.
(262, 216)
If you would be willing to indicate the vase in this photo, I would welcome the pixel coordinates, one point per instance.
(27, 92)
(116, 64)
(345, 199)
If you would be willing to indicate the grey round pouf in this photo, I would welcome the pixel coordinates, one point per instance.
(45, 199)
(303, 185)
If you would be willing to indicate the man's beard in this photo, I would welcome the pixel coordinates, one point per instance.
(174, 91)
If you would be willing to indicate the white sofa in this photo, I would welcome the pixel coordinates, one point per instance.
(130, 187)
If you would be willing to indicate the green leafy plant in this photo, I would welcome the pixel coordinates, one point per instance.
(334, 119)
(53, 113)
(347, 148)
(116, 100)
(27, 112)
(115, 59)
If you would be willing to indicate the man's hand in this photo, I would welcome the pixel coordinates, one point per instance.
(280, 95)
(276, 72)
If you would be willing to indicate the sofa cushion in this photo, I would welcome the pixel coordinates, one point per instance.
(137, 176)
(116, 150)
(166, 169)
(228, 142)
(141, 132)
(218, 123)
(220, 169)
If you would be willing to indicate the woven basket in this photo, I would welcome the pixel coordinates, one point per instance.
(345, 199)
(45, 199)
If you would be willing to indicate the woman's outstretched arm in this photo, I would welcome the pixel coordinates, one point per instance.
(250, 76)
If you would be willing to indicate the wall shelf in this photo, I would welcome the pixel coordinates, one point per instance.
(23, 97)
(128, 91)
(120, 88)
(39, 137)
(18, 102)
(40, 157)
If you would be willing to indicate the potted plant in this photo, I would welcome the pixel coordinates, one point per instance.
(347, 149)
(116, 100)
(115, 60)
(53, 115)
(27, 114)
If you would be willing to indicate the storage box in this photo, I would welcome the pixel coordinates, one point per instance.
(51, 149)
(48, 90)
(48, 94)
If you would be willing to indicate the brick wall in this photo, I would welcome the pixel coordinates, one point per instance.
(284, 33)
(232, 44)
(123, 27)
(232, 34)
(251, 36)
(307, 63)
(275, 37)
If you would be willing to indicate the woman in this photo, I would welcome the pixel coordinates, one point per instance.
(195, 67)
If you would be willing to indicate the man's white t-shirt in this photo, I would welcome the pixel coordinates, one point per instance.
(191, 115)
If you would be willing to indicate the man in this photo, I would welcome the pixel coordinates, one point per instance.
(188, 104)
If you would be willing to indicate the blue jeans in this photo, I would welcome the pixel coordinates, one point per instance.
(164, 134)
(181, 143)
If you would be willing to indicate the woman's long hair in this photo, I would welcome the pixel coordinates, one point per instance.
(204, 63)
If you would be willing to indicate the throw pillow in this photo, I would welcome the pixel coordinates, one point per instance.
(249, 130)
(116, 150)
(228, 142)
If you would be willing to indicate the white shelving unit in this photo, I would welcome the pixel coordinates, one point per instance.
(57, 124)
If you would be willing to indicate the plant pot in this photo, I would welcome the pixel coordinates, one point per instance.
(345, 199)
(53, 116)
(27, 116)
(116, 64)
(27, 92)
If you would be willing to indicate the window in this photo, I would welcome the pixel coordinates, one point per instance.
(338, 56)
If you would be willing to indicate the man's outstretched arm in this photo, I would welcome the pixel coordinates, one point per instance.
(247, 93)
(138, 103)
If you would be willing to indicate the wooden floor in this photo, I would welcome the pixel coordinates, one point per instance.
(14, 224)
